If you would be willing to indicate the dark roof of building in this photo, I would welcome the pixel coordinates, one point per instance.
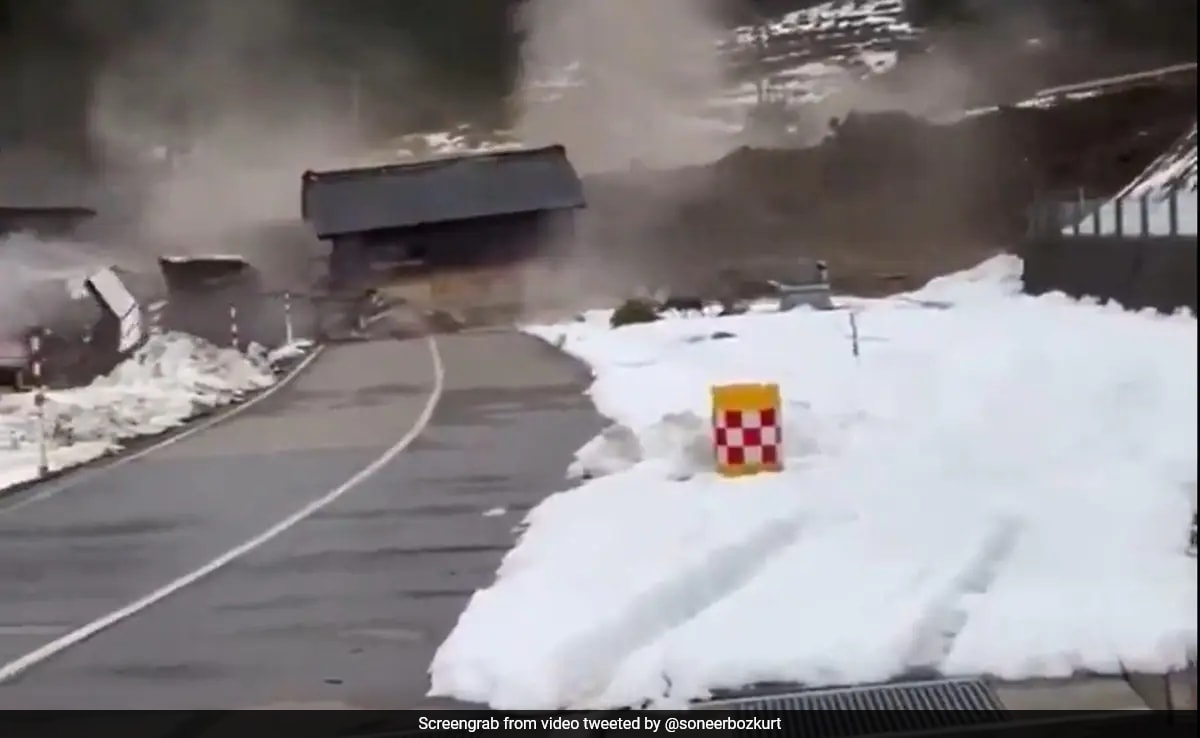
(43, 221)
(440, 190)
(199, 273)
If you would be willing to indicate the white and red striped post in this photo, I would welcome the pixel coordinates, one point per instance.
(39, 398)
(287, 318)
(233, 327)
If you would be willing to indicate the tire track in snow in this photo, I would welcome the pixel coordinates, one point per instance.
(587, 665)
(946, 616)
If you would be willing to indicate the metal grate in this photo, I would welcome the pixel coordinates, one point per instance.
(881, 709)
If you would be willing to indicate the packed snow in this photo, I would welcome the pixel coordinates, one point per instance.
(170, 379)
(998, 484)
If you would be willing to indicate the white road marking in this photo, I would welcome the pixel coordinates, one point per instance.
(77, 478)
(14, 668)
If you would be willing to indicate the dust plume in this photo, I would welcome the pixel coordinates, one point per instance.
(38, 276)
(640, 73)
(208, 120)
(622, 84)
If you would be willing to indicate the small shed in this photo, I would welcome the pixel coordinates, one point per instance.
(454, 212)
(202, 290)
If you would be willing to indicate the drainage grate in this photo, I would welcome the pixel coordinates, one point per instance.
(879, 709)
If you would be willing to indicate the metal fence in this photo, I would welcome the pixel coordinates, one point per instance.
(1159, 215)
(1139, 251)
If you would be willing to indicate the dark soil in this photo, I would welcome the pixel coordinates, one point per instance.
(890, 201)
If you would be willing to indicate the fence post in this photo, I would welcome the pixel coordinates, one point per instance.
(36, 345)
(1144, 206)
(854, 333)
(1173, 212)
(360, 313)
(288, 335)
(156, 311)
(1119, 217)
(233, 327)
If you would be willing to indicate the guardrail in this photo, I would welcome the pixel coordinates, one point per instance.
(1158, 215)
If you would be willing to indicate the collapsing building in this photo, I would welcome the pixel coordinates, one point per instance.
(460, 212)
(85, 325)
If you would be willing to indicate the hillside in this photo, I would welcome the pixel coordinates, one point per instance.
(1175, 170)
(890, 200)
(807, 53)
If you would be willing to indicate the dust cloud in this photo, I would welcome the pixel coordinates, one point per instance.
(623, 85)
(37, 276)
(645, 71)
(209, 120)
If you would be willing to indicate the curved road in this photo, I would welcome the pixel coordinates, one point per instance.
(348, 604)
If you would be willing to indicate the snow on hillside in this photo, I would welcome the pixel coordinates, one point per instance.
(808, 54)
(999, 484)
(802, 56)
(1175, 170)
(172, 378)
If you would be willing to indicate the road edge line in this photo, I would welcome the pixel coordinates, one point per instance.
(74, 476)
(16, 667)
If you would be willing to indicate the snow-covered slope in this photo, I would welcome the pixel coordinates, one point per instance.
(999, 484)
(1174, 171)
(173, 377)
(809, 53)
(799, 57)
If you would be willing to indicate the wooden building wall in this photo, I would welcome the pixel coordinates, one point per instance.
(460, 245)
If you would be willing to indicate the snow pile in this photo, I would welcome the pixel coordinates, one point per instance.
(173, 377)
(681, 442)
(291, 351)
(679, 445)
(999, 484)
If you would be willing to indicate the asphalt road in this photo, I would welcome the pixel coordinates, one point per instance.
(347, 606)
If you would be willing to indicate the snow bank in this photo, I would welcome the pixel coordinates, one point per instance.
(999, 484)
(679, 444)
(170, 379)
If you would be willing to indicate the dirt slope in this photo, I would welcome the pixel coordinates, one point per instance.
(888, 200)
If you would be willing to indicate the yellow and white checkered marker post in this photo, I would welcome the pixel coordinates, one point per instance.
(747, 429)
